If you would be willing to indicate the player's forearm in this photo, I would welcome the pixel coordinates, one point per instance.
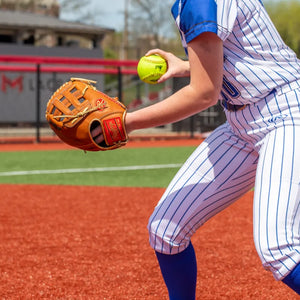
(182, 104)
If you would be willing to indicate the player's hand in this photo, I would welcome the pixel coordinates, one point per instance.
(176, 66)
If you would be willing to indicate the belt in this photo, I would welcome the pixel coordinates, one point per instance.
(232, 107)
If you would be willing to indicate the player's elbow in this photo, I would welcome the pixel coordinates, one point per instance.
(207, 96)
(207, 92)
(211, 98)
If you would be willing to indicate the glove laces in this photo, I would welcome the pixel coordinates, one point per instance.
(101, 105)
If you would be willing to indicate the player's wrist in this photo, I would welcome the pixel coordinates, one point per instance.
(129, 123)
(138, 120)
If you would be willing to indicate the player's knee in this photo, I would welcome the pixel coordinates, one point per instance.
(163, 238)
(278, 258)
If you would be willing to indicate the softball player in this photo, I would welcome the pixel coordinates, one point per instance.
(235, 56)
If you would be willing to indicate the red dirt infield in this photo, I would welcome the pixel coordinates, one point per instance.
(80, 242)
(30, 145)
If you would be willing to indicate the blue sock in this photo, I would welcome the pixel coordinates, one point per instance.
(180, 273)
(293, 279)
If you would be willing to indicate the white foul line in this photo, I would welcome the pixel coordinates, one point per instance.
(87, 170)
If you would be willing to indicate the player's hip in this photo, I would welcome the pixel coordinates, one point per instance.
(255, 121)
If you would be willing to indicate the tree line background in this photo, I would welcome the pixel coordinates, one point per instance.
(149, 24)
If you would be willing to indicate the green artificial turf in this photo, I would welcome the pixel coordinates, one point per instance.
(68, 160)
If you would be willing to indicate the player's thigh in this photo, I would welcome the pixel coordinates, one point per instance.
(220, 170)
(277, 201)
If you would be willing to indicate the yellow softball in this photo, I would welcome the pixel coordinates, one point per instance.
(151, 68)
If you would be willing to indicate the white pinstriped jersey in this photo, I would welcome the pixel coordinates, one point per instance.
(256, 60)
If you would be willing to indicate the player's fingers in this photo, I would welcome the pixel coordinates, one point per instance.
(172, 71)
(165, 77)
(97, 135)
(96, 131)
(98, 139)
(157, 51)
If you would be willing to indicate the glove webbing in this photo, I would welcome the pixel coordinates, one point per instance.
(101, 105)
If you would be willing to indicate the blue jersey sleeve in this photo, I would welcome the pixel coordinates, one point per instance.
(194, 17)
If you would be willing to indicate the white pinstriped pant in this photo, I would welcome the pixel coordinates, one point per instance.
(258, 146)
